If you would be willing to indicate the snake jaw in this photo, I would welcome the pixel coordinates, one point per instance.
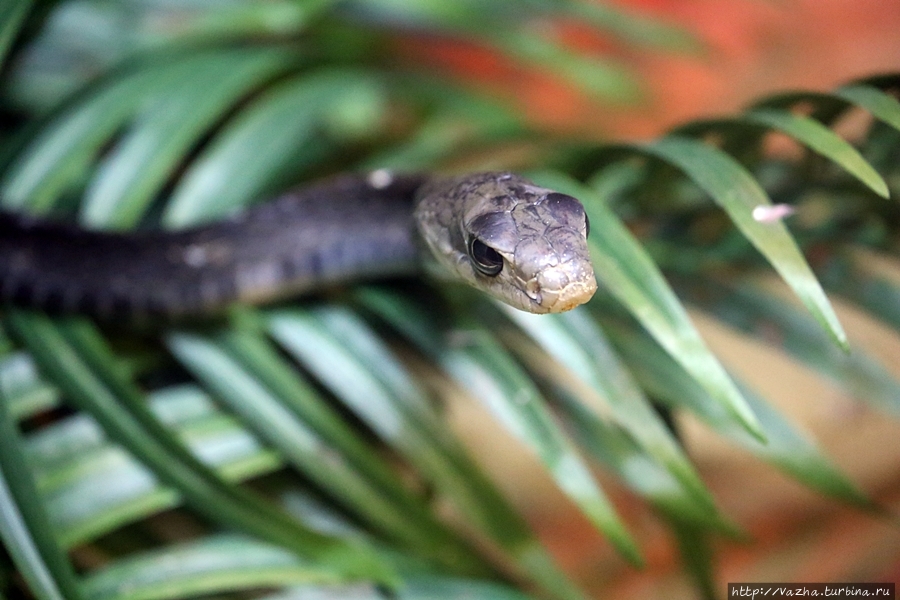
(556, 290)
(569, 297)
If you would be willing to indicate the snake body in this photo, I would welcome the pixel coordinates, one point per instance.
(523, 244)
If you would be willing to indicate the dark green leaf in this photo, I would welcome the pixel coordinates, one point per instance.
(241, 20)
(697, 554)
(631, 27)
(786, 448)
(24, 526)
(12, 14)
(759, 312)
(245, 393)
(75, 357)
(596, 75)
(853, 276)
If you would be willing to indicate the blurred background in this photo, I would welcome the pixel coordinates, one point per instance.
(753, 48)
(746, 49)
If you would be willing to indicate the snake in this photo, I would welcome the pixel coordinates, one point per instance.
(520, 243)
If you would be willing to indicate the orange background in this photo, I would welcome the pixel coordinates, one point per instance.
(749, 48)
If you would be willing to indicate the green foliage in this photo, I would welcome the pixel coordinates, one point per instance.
(307, 439)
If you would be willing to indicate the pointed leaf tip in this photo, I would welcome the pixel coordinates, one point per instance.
(819, 138)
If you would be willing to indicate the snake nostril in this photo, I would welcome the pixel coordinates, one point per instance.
(554, 279)
(533, 290)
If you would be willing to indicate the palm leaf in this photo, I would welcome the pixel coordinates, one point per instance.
(12, 15)
(24, 525)
(329, 405)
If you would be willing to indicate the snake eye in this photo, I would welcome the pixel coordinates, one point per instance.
(587, 227)
(486, 260)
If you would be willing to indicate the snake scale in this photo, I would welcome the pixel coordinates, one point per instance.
(520, 243)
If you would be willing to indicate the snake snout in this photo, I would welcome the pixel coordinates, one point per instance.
(559, 289)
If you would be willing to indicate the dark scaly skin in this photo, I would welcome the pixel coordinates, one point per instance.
(345, 229)
(339, 230)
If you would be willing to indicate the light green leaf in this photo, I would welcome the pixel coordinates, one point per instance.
(883, 107)
(214, 564)
(629, 274)
(191, 96)
(259, 356)
(24, 392)
(418, 585)
(735, 190)
(331, 342)
(577, 344)
(237, 385)
(613, 446)
(64, 149)
(370, 349)
(328, 592)
(306, 337)
(422, 586)
(489, 374)
(274, 135)
(483, 368)
(93, 486)
(470, 490)
(74, 355)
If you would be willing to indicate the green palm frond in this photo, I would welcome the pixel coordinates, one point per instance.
(307, 444)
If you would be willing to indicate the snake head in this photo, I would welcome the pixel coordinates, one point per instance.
(521, 243)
